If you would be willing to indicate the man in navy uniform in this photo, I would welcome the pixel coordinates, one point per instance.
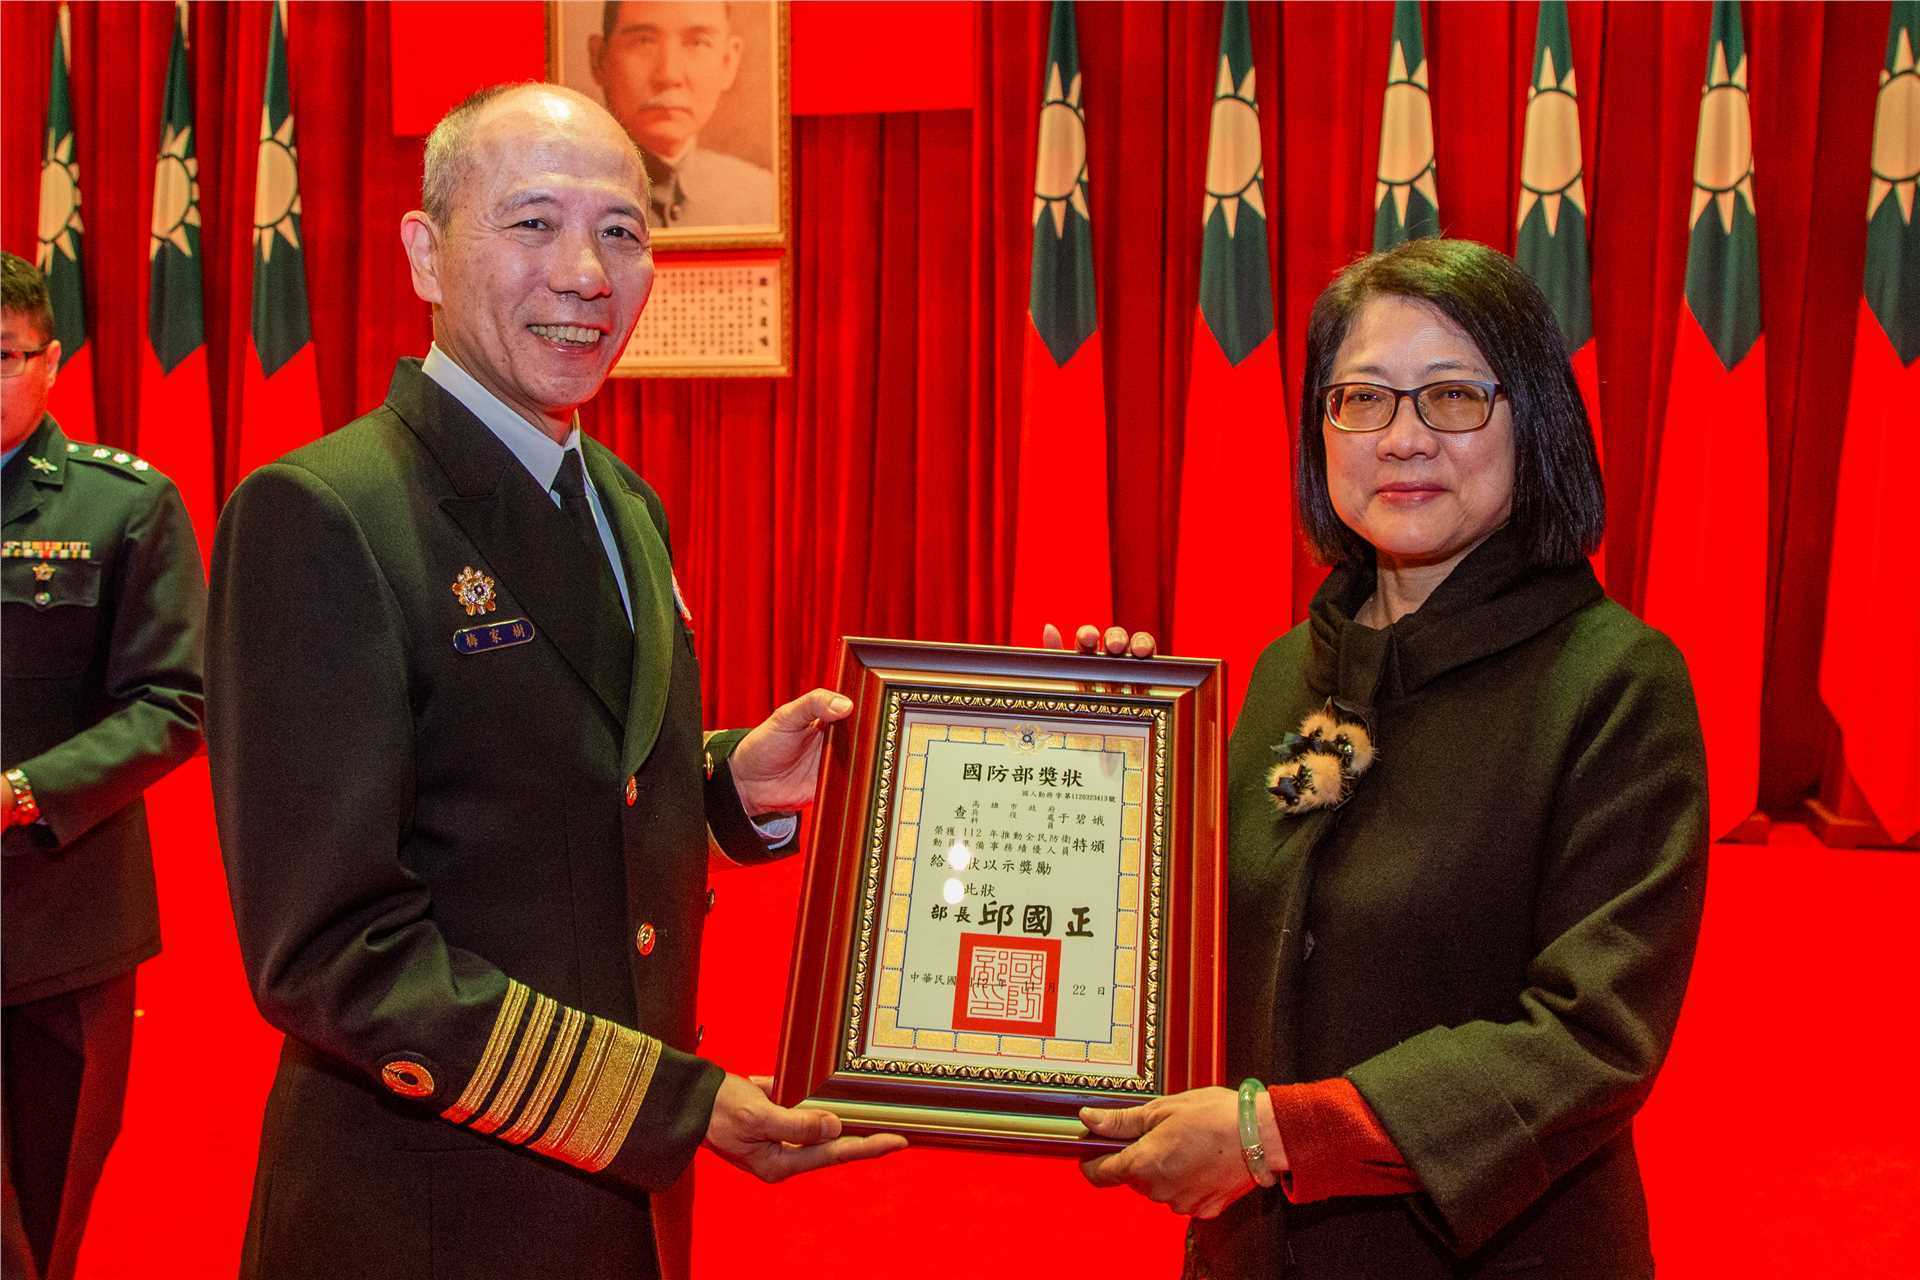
(101, 629)
(462, 788)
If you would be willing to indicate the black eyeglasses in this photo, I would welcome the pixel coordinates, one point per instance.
(13, 362)
(1455, 405)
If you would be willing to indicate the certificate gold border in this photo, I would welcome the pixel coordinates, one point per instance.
(879, 856)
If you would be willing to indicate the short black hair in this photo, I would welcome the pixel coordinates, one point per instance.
(23, 291)
(1559, 505)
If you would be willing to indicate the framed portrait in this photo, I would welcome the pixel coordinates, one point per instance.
(701, 85)
(1014, 896)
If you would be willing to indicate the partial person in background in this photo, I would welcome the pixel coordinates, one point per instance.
(1467, 824)
(463, 791)
(664, 66)
(99, 698)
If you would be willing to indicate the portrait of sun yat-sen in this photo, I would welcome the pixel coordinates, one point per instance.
(701, 85)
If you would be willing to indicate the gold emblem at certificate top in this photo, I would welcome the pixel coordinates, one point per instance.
(1008, 928)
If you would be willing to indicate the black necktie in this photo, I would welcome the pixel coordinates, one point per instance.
(571, 485)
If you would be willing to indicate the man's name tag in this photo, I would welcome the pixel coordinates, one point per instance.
(496, 635)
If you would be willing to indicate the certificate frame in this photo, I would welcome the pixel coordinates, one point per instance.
(965, 1075)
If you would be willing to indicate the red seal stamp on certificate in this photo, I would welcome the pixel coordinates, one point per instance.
(1007, 985)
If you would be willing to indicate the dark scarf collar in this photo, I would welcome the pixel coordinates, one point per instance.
(1492, 601)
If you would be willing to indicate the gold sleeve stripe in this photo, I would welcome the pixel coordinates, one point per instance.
(604, 1097)
(492, 1056)
(567, 1115)
(628, 1109)
(525, 1058)
(559, 1058)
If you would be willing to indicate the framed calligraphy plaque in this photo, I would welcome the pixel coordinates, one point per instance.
(1013, 903)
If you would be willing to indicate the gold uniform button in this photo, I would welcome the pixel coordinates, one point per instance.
(43, 598)
(408, 1079)
(643, 940)
(710, 897)
(633, 791)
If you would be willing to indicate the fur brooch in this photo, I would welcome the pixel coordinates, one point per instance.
(1319, 765)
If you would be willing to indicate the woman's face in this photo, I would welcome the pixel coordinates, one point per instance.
(1421, 497)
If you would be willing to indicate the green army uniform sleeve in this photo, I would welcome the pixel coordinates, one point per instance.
(314, 774)
(1489, 1115)
(153, 668)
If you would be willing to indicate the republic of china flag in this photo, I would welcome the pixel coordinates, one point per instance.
(1706, 565)
(1870, 666)
(282, 391)
(1406, 200)
(1236, 494)
(59, 257)
(1552, 221)
(1063, 569)
(176, 421)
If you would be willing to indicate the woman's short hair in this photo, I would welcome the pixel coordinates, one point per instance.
(1559, 507)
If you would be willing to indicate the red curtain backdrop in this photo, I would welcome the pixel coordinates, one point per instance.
(870, 493)
(867, 493)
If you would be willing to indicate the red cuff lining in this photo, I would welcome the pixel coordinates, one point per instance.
(1335, 1145)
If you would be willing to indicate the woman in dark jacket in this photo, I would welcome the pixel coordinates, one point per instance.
(1467, 815)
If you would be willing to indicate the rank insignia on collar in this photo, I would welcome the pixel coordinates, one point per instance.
(41, 465)
(43, 572)
(474, 591)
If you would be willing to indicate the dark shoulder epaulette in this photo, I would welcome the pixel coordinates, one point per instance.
(118, 461)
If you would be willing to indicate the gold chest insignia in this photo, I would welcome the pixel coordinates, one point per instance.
(43, 572)
(474, 591)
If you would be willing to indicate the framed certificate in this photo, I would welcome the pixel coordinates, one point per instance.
(1013, 900)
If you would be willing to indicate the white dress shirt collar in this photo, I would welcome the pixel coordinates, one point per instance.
(535, 448)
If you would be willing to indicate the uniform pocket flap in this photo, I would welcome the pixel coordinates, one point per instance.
(50, 584)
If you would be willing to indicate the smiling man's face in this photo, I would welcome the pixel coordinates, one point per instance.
(542, 271)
